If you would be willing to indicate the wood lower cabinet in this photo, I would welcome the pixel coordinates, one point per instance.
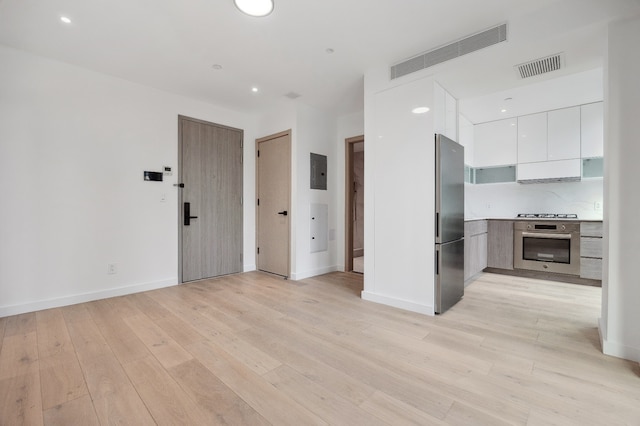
(591, 250)
(475, 247)
(500, 244)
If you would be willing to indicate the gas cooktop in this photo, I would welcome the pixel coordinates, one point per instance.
(548, 215)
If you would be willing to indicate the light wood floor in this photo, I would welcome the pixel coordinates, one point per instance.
(252, 349)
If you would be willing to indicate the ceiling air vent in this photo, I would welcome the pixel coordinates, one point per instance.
(540, 66)
(450, 51)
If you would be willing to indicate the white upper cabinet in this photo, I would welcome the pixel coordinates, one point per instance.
(532, 138)
(592, 129)
(563, 130)
(495, 143)
(466, 139)
(549, 170)
(451, 117)
(446, 113)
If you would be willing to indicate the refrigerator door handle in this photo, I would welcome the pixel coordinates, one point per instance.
(437, 224)
(437, 262)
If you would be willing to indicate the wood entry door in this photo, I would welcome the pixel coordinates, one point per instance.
(273, 189)
(211, 199)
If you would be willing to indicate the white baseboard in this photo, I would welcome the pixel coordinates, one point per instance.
(616, 349)
(313, 273)
(57, 302)
(398, 303)
(620, 351)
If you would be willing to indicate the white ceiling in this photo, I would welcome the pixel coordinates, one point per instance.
(172, 45)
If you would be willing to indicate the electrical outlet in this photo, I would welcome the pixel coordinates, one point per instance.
(111, 268)
(597, 206)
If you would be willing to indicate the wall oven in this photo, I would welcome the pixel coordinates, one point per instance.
(547, 246)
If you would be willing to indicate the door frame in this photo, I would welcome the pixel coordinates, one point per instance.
(179, 170)
(291, 213)
(348, 203)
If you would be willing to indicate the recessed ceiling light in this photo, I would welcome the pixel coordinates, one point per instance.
(65, 19)
(503, 110)
(420, 110)
(254, 89)
(254, 7)
(216, 66)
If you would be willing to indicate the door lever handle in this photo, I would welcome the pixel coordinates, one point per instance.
(283, 213)
(187, 214)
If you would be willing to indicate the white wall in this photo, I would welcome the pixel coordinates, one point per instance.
(316, 134)
(347, 126)
(399, 195)
(506, 200)
(621, 284)
(73, 146)
(312, 130)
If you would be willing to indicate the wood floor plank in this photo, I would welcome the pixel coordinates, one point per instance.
(62, 379)
(79, 411)
(87, 339)
(254, 389)
(3, 322)
(122, 407)
(163, 347)
(252, 348)
(166, 400)
(396, 412)
(463, 415)
(20, 401)
(73, 313)
(19, 355)
(295, 354)
(378, 372)
(53, 337)
(214, 396)
(122, 340)
(330, 407)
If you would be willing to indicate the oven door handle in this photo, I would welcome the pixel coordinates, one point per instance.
(547, 235)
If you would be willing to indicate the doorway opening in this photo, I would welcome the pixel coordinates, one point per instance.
(354, 204)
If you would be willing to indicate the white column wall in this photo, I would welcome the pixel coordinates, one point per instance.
(619, 326)
(400, 193)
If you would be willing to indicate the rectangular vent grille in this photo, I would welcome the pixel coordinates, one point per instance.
(450, 51)
(539, 66)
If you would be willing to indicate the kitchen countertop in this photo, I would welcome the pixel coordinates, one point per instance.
(520, 219)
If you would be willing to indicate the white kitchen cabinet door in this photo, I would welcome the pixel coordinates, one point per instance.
(446, 113)
(495, 143)
(451, 117)
(532, 138)
(592, 129)
(439, 109)
(548, 170)
(466, 140)
(563, 134)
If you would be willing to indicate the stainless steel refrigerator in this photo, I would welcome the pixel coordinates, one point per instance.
(449, 287)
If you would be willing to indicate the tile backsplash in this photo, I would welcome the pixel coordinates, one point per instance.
(506, 200)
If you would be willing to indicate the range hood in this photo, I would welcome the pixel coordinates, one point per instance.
(550, 171)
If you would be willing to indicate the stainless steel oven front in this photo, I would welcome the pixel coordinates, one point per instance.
(547, 246)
